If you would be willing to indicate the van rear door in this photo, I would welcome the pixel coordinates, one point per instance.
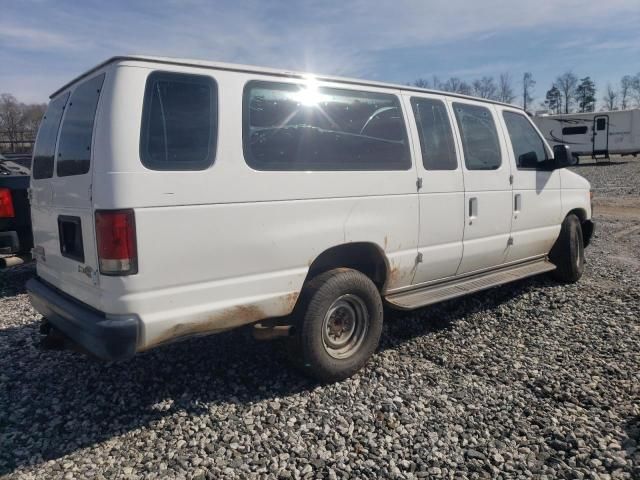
(62, 210)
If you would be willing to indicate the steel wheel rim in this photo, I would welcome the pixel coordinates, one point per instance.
(345, 326)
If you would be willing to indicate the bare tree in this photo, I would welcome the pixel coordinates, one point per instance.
(436, 84)
(421, 83)
(505, 88)
(626, 84)
(455, 85)
(19, 122)
(485, 88)
(635, 89)
(32, 116)
(527, 89)
(10, 119)
(610, 98)
(567, 83)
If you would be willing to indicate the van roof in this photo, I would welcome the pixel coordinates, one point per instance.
(269, 71)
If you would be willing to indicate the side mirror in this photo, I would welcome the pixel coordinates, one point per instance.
(562, 157)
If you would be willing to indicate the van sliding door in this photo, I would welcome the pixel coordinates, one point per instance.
(488, 191)
(442, 193)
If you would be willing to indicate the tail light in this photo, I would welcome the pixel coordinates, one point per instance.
(116, 239)
(6, 204)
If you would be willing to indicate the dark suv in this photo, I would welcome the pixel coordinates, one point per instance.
(16, 236)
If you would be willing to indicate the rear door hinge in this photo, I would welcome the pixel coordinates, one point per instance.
(510, 179)
(91, 192)
(510, 241)
(419, 183)
(30, 194)
(419, 258)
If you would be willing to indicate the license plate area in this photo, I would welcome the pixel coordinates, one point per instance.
(70, 232)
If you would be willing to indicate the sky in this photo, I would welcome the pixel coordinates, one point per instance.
(45, 43)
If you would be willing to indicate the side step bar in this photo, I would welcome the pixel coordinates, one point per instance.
(474, 283)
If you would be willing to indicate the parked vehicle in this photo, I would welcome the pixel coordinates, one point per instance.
(16, 238)
(174, 198)
(597, 134)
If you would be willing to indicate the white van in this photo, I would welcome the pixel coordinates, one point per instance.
(173, 198)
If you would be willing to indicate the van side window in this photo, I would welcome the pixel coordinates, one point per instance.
(298, 127)
(528, 148)
(179, 122)
(479, 137)
(434, 131)
(74, 150)
(45, 147)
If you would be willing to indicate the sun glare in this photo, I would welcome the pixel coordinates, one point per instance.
(309, 95)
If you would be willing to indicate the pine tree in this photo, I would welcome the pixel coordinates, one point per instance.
(553, 100)
(586, 95)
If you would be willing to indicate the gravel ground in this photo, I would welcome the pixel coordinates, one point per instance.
(532, 379)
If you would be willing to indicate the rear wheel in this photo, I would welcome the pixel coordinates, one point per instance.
(568, 251)
(338, 325)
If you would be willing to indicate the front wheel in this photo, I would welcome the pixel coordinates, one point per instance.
(338, 325)
(568, 252)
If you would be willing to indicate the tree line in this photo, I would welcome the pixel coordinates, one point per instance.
(567, 93)
(19, 123)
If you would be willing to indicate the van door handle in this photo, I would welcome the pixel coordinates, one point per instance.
(517, 202)
(473, 208)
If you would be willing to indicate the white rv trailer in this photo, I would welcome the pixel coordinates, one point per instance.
(597, 134)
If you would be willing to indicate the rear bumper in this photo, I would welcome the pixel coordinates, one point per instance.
(107, 337)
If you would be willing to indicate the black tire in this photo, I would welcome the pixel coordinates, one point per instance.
(568, 252)
(336, 307)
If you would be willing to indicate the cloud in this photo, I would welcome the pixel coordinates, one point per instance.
(484, 69)
(336, 37)
(351, 38)
(19, 37)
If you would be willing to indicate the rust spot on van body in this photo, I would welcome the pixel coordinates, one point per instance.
(290, 300)
(394, 274)
(228, 319)
(216, 323)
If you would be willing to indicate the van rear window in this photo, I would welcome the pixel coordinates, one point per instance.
(74, 150)
(303, 127)
(179, 122)
(45, 148)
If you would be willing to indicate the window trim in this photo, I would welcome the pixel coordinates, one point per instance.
(544, 143)
(456, 155)
(461, 134)
(246, 140)
(213, 122)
